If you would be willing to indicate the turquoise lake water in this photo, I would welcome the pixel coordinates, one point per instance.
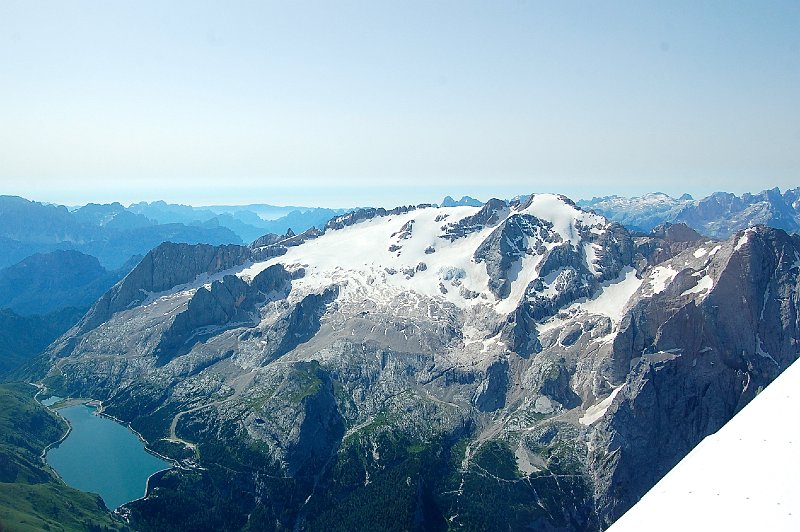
(104, 457)
(50, 401)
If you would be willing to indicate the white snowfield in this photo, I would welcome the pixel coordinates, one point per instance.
(613, 299)
(384, 260)
(745, 477)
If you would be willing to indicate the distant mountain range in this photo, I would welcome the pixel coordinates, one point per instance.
(719, 215)
(44, 295)
(248, 222)
(56, 261)
(46, 282)
(465, 201)
(501, 365)
(114, 233)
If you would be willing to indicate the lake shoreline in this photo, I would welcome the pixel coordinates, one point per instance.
(98, 408)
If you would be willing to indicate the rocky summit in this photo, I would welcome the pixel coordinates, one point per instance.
(514, 365)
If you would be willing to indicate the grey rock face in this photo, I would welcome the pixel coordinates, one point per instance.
(227, 303)
(516, 237)
(705, 361)
(269, 245)
(491, 394)
(167, 266)
(566, 269)
(489, 215)
(666, 241)
(359, 215)
(270, 239)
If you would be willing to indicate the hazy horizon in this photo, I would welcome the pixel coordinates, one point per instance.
(415, 198)
(351, 103)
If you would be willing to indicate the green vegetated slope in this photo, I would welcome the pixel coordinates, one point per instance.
(393, 473)
(24, 337)
(31, 496)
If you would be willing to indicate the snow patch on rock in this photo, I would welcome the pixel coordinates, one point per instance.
(595, 412)
(612, 299)
(703, 285)
(661, 277)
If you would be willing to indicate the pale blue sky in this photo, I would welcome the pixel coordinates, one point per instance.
(376, 102)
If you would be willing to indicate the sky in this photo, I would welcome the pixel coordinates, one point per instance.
(339, 103)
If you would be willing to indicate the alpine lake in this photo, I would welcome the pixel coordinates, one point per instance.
(102, 456)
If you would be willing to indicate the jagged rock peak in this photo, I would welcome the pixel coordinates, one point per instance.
(676, 232)
(162, 269)
(465, 201)
(271, 238)
(718, 215)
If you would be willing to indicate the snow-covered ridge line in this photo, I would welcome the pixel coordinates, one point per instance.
(519, 204)
(368, 213)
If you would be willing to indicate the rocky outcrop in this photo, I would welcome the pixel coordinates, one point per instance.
(269, 246)
(491, 393)
(666, 241)
(231, 302)
(167, 266)
(518, 236)
(489, 215)
(270, 239)
(359, 215)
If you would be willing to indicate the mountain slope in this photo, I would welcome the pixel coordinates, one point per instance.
(519, 364)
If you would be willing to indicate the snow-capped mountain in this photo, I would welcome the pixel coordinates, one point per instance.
(518, 364)
(543, 250)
